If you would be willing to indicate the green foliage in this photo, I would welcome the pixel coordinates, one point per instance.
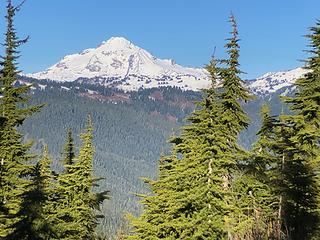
(301, 150)
(37, 203)
(262, 180)
(69, 153)
(76, 207)
(288, 155)
(29, 194)
(193, 198)
(298, 181)
(235, 120)
(83, 182)
(62, 219)
(13, 152)
(127, 139)
(234, 91)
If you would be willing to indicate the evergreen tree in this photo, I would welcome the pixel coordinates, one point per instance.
(13, 153)
(234, 119)
(45, 193)
(84, 181)
(234, 91)
(37, 203)
(301, 150)
(76, 216)
(62, 220)
(179, 206)
(262, 180)
(192, 197)
(69, 153)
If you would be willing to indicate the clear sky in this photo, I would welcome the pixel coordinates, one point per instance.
(184, 30)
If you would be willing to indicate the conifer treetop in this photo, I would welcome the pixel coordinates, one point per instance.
(69, 154)
(233, 88)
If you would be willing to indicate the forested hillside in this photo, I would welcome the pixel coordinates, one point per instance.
(129, 135)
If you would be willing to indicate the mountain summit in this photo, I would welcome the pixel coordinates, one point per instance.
(119, 63)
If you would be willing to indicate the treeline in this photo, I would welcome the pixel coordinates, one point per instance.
(36, 202)
(209, 187)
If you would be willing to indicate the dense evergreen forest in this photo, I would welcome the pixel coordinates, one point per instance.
(205, 165)
(129, 137)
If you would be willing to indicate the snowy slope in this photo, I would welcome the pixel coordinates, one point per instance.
(120, 63)
(274, 81)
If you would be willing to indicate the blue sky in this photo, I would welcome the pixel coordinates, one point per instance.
(184, 30)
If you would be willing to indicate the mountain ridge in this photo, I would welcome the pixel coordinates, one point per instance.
(121, 64)
(118, 62)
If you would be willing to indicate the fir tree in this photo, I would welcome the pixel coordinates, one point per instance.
(13, 153)
(37, 203)
(262, 180)
(62, 220)
(191, 198)
(84, 180)
(78, 205)
(179, 208)
(45, 192)
(301, 134)
(69, 153)
(234, 92)
(234, 120)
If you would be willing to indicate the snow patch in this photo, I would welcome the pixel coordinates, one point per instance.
(273, 81)
(65, 88)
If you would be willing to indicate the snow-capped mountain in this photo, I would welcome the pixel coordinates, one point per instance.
(118, 62)
(121, 64)
(274, 81)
